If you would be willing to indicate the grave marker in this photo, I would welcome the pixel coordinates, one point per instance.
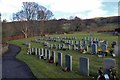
(60, 59)
(53, 55)
(94, 48)
(84, 66)
(108, 63)
(68, 62)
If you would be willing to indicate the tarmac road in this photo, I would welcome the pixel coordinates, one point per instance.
(13, 68)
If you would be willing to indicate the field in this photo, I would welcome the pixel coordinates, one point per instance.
(43, 69)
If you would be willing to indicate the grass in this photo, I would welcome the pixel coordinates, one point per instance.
(43, 69)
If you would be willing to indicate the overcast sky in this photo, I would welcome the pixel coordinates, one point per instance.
(65, 8)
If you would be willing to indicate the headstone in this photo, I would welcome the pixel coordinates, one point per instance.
(59, 46)
(84, 43)
(84, 66)
(86, 48)
(94, 48)
(74, 47)
(90, 43)
(60, 59)
(68, 62)
(75, 42)
(68, 47)
(63, 46)
(117, 50)
(53, 55)
(104, 47)
(45, 53)
(79, 47)
(51, 46)
(108, 63)
(48, 54)
(36, 51)
(30, 51)
(79, 42)
(98, 43)
(39, 51)
(29, 45)
(54, 46)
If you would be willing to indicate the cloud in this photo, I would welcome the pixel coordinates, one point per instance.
(81, 8)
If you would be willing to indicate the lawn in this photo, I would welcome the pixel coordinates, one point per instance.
(43, 69)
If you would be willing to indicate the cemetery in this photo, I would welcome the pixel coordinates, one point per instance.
(44, 40)
(77, 55)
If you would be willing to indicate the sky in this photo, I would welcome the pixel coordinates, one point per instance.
(83, 9)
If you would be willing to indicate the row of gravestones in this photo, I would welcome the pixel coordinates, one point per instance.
(58, 38)
(84, 43)
(75, 42)
(74, 47)
(78, 48)
(83, 62)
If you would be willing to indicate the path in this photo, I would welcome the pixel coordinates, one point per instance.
(13, 68)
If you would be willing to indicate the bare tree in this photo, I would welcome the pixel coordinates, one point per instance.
(31, 11)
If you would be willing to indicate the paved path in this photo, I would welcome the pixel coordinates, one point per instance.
(13, 68)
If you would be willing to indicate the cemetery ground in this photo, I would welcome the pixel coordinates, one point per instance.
(43, 69)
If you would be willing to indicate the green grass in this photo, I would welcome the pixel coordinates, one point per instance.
(43, 69)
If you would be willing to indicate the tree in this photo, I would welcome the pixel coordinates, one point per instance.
(31, 11)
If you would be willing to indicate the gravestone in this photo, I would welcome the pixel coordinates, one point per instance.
(54, 46)
(68, 62)
(59, 46)
(79, 47)
(84, 66)
(32, 50)
(51, 46)
(94, 48)
(39, 51)
(75, 43)
(36, 51)
(74, 47)
(60, 58)
(53, 55)
(108, 63)
(48, 54)
(63, 46)
(68, 47)
(79, 42)
(86, 48)
(104, 47)
(45, 53)
(84, 43)
(117, 50)
(29, 45)
(90, 43)
(98, 43)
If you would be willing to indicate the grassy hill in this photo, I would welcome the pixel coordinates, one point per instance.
(43, 69)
